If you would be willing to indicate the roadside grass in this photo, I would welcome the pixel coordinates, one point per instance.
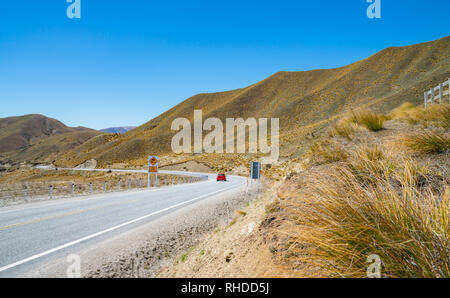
(435, 115)
(356, 121)
(345, 129)
(241, 212)
(427, 142)
(326, 151)
(368, 119)
(184, 256)
(373, 204)
(401, 111)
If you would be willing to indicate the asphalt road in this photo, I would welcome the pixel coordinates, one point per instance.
(32, 235)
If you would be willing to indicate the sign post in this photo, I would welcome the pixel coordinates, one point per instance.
(255, 170)
(153, 166)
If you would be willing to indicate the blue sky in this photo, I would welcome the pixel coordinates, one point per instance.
(125, 62)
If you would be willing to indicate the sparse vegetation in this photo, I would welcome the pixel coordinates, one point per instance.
(368, 119)
(346, 220)
(427, 142)
(242, 213)
(326, 151)
(357, 121)
(373, 199)
(344, 128)
(401, 111)
(435, 115)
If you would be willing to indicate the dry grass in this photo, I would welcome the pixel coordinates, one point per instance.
(435, 115)
(357, 121)
(346, 219)
(344, 128)
(326, 151)
(303, 100)
(401, 111)
(368, 119)
(427, 142)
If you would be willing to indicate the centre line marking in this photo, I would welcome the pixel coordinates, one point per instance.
(29, 259)
(20, 224)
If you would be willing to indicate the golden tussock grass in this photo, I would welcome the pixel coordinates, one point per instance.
(357, 121)
(368, 119)
(435, 115)
(326, 151)
(401, 111)
(427, 142)
(374, 204)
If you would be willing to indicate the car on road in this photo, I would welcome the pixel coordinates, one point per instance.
(221, 177)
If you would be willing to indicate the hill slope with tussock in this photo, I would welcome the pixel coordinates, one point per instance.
(306, 102)
(377, 193)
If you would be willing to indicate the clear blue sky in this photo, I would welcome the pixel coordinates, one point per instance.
(125, 62)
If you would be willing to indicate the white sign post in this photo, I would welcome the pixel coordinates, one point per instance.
(153, 167)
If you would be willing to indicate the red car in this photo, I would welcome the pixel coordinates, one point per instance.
(221, 177)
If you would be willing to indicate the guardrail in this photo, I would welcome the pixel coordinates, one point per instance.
(437, 93)
(66, 189)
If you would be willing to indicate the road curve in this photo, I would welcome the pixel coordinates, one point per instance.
(31, 235)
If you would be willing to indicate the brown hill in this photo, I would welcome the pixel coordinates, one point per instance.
(36, 138)
(306, 102)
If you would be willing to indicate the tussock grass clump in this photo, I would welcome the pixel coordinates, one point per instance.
(326, 151)
(427, 142)
(371, 163)
(344, 128)
(435, 115)
(368, 119)
(346, 220)
(357, 121)
(401, 111)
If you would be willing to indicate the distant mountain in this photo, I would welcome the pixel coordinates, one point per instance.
(35, 138)
(118, 130)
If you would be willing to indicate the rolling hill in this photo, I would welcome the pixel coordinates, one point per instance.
(36, 138)
(306, 103)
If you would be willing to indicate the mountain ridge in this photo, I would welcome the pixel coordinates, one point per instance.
(306, 102)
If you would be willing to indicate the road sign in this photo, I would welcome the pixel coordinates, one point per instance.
(255, 170)
(153, 164)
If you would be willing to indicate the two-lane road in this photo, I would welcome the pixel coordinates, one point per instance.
(31, 235)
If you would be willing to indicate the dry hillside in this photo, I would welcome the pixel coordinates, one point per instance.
(306, 102)
(382, 189)
(36, 138)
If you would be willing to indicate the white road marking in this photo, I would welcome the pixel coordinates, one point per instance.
(26, 260)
